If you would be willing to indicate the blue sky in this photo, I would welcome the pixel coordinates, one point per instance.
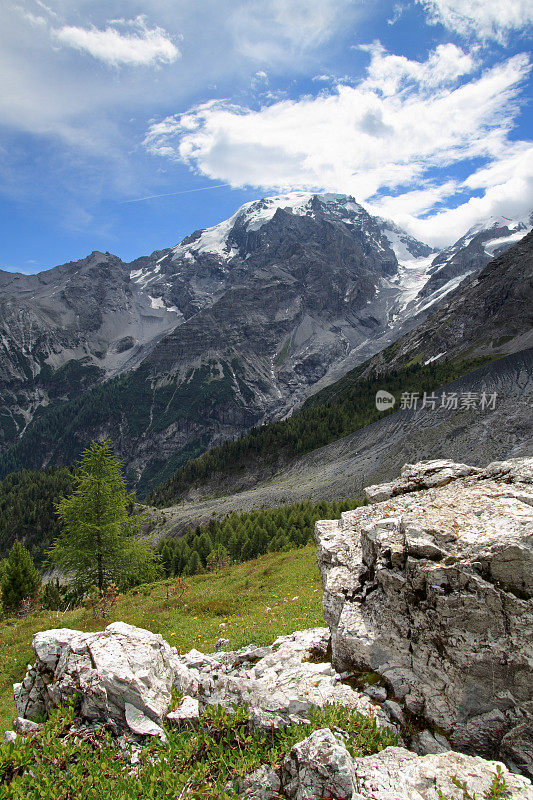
(420, 109)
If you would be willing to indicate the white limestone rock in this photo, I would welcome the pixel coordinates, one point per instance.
(319, 768)
(281, 681)
(142, 725)
(263, 784)
(24, 726)
(423, 475)
(107, 670)
(432, 590)
(188, 711)
(396, 773)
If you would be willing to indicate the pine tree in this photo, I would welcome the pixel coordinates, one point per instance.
(98, 544)
(194, 564)
(20, 580)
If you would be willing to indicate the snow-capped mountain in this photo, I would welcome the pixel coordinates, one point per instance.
(237, 324)
(209, 261)
(484, 241)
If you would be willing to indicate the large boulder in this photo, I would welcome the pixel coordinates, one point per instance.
(123, 674)
(430, 589)
(319, 768)
(397, 773)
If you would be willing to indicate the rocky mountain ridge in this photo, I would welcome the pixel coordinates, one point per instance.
(236, 325)
(491, 312)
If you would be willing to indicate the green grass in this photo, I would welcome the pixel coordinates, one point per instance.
(235, 597)
(195, 762)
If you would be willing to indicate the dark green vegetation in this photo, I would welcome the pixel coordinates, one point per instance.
(20, 580)
(98, 544)
(240, 537)
(27, 508)
(127, 403)
(336, 411)
(198, 762)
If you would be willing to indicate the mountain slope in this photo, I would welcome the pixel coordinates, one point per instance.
(487, 316)
(237, 325)
(475, 249)
(376, 453)
(65, 329)
(491, 312)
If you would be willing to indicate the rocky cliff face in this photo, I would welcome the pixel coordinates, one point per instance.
(490, 313)
(67, 329)
(430, 588)
(234, 326)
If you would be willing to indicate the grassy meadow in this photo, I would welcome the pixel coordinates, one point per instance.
(232, 602)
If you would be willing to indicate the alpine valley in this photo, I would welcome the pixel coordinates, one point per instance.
(238, 325)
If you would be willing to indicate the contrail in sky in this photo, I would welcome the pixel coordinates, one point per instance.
(169, 194)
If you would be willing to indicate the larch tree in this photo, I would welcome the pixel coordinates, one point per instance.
(98, 544)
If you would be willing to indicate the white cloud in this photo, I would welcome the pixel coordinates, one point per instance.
(507, 185)
(482, 19)
(390, 134)
(141, 47)
(389, 73)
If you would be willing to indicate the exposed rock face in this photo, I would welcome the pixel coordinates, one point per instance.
(279, 682)
(475, 249)
(319, 768)
(490, 313)
(122, 673)
(66, 329)
(431, 588)
(125, 674)
(397, 773)
(262, 784)
(188, 712)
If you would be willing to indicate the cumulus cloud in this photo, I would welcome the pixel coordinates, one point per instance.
(386, 140)
(507, 190)
(483, 19)
(135, 45)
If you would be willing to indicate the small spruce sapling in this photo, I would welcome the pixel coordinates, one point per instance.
(20, 581)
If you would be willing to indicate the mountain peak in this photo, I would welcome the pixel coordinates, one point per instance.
(254, 215)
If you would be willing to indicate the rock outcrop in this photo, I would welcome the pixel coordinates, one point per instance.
(123, 674)
(430, 588)
(396, 773)
(280, 683)
(321, 768)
